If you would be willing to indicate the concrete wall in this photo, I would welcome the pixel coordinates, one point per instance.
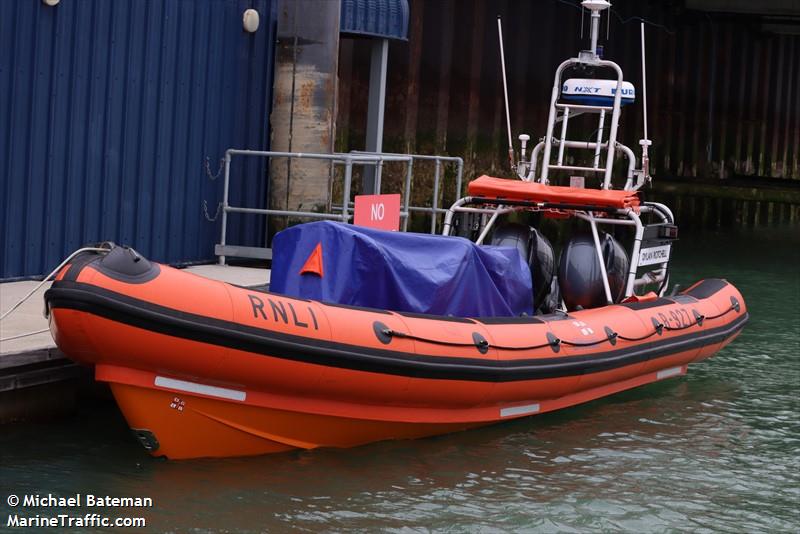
(302, 117)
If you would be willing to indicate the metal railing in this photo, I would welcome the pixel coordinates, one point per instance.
(223, 249)
(339, 211)
(438, 162)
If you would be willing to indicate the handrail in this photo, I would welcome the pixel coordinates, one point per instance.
(554, 106)
(588, 145)
(348, 160)
(340, 211)
(434, 207)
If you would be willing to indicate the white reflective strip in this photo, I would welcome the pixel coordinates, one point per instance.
(193, 387)
(519, 410)
(654, 255)
(666, 373)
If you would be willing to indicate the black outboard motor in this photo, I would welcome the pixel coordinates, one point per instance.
(538, 252)
(466, 225)
(579, 275)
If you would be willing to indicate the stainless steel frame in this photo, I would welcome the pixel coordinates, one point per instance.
(223, 249)
(626, 217)
(434, 208)
(341, 212)
(583, 59)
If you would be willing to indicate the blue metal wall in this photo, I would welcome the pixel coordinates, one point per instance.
(108, 110)
(375, 18)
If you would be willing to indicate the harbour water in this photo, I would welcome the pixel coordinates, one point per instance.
(716, 450)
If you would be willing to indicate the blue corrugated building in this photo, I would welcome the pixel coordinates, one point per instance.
(108, 111)
(114, 117)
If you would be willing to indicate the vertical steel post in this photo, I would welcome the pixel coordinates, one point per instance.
(562, 145)
(646, 141)
(551, 121)
(637, 245)
(451, 211)
(435, 203)
(378, 175)
(375, 108)
(505, 92)
(612, 135)
(594, 30)
(532, 162)
(225, 189)
(600, 126)
(407, 194)
(459, 176)
(489, 224)
(599, 251)
(348, 176)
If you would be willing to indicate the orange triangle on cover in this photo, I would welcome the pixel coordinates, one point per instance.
(647, 297)
(314, 262)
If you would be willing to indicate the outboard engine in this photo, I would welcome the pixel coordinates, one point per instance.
(538, 252)
(466, 225)
(579, 275)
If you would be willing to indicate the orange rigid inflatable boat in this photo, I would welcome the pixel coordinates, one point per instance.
(203, 368)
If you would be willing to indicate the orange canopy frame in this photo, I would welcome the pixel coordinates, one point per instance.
(518, 190)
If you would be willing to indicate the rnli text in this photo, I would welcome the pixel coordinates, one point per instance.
(281, 312)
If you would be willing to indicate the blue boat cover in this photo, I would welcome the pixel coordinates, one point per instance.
(397, 271)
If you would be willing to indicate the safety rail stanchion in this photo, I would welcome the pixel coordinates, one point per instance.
(348, 176)
(407, 196)
(434, 210)
(435, 202)
(378, 175)
(459, 176)
(225, 190)
(222, 250)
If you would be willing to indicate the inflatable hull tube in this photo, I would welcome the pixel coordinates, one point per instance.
(201, 368)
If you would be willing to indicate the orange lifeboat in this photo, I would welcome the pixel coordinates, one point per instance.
(202, 368)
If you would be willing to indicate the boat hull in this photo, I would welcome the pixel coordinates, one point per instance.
(201, 368)
(173, 420)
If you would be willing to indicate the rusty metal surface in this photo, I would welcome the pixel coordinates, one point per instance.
(724, 95)
(306, 53)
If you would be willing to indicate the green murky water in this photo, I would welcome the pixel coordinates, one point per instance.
(714, 451)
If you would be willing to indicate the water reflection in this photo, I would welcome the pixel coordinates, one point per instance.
(715, 450)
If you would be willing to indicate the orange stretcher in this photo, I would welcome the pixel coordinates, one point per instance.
(517, 190)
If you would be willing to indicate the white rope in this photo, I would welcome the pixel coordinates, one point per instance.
(47, 278)
(25, 335)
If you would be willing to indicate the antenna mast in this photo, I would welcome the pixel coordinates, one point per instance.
(505, 92)
(646, 141)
